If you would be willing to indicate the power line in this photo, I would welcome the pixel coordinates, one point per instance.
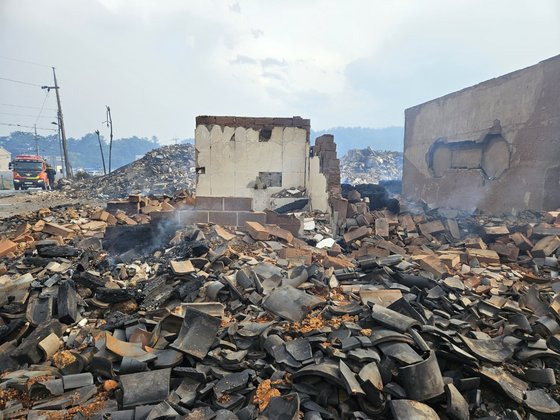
(19, 81)
(42, 106)
(23, 61)
(27, 106)
(27, 126)
(27, 115)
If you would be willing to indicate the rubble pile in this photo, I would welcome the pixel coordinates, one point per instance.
(161, 171)
(369, 166)
(422, 314)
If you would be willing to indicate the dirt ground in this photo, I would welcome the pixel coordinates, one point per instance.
(19, 202)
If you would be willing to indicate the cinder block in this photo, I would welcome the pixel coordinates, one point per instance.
(328, 147)
(250, 216)
(164, 216)
(328, 155)
(325, 138)
(57, 230)
(280, 233)
(224, 218)
(285, 221)
(296, 253)
(257, 231)
(209, 203)
(188, 217)
(333, 164)
(129, 208)
(356, 234)
(251, 122)
(433, 264)
(382, 227)
(340, 205)
(238, 204)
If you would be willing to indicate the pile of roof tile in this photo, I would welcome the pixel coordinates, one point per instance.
(425, 314)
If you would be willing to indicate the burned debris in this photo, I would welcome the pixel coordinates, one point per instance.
(416, 314)
(166, 170)
(369, 166)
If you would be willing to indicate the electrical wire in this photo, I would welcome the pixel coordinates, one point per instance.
(19, 81)
(42, 106)
(26, 115)
(28, 126)
(27, 106)
(23, 61)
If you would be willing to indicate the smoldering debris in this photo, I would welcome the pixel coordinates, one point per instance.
(423, 313)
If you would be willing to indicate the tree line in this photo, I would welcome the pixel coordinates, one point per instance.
(84, 152)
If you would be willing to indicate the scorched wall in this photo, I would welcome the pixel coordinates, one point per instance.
(250, 157)
(494, 146)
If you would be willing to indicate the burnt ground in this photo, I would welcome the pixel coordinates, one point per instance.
(20, 202)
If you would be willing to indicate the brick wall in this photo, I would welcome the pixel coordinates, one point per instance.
(251, 122)
(325, 149)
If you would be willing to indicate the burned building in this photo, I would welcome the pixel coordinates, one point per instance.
(494, 146)
(253, 160)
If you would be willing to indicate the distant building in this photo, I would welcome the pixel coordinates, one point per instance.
(5, 159)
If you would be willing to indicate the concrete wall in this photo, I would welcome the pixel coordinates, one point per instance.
(232, 152)
(317, 186)
(5, 159)
(493, 146)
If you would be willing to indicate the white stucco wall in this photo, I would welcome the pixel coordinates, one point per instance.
(5, 159)
(232, 158)
(317, 186)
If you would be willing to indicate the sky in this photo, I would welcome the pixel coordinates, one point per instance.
(159, 64)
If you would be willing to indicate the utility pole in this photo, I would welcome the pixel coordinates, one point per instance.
(101, 150)
(36, 141)
(62, 161)
(110, 124)
(60, 147)
(61, 125)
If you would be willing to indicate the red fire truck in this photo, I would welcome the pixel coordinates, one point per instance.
(29, 171)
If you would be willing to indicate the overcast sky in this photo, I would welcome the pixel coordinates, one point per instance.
(159, 63)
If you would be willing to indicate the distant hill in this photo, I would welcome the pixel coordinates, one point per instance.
(84, 152)
(346, 138)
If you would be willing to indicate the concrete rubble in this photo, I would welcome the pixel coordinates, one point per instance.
(165, 170)
(369, 166)
(125, 312)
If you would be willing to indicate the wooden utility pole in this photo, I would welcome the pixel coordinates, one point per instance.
(101, 150)
(110, 124)
(61, 153)
(36, 141)
(69, 173)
